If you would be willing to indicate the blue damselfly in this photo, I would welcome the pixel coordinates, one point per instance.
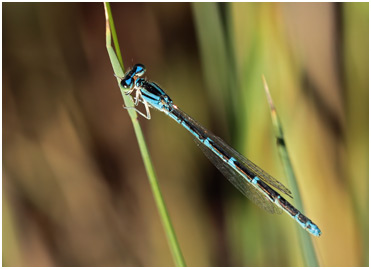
(247, 177)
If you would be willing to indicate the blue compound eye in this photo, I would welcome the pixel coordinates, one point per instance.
(139, 70)
(127, 83)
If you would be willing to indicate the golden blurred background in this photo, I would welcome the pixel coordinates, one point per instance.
(75, 192)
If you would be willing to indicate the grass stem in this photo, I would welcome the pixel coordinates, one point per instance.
(308, 251)
(118, 67)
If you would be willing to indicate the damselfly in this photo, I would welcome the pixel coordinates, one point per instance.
(247, 177)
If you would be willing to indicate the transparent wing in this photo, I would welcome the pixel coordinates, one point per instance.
(239, 181)
(252, 167)
(268, 179)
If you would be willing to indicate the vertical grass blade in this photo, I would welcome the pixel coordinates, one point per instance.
(215, 59)
(308, 251)
(118, 67)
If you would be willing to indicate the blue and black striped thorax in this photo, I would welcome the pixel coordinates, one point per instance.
(153, 94)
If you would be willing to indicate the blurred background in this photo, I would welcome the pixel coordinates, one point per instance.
(75, 192)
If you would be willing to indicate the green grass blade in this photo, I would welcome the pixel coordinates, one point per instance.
(308, 251)
(114, 35)
(213, 53)
(117, 64)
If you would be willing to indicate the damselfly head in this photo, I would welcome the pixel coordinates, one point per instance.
(127, 82)
(138, 70)
(129, 79)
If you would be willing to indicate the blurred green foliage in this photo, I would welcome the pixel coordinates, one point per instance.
(74, 187)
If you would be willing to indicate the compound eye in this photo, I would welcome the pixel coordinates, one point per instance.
(139, 70)
(127, 83)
